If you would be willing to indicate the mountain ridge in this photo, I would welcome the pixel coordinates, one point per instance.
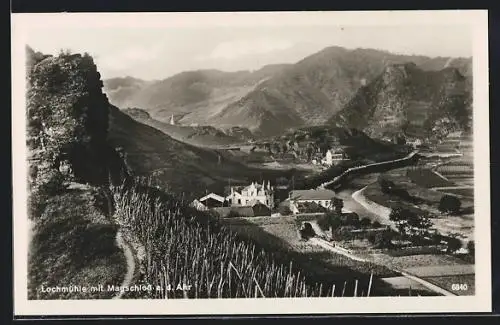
(275, 98)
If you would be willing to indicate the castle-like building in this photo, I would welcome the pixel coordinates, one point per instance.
(251, 194)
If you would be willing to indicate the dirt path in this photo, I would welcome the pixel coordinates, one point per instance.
(125, 247)
(129, 257)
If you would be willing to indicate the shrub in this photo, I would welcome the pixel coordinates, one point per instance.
(324, 222)
(284, 210)
(453, 244)
(307, 232)
(386, 186)
(233, 214)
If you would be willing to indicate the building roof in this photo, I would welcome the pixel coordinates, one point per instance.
(255, 202)
(321, 194)
(257, 186)
(212, 196)
(198, 205)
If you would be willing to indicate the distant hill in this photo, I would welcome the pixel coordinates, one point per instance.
(274, 98)
(405, 99)
(205, 136)
(192, 96)
(176, 165)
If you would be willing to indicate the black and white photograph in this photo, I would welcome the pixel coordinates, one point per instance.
(273, 162)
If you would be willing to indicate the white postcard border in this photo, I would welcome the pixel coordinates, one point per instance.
(481, 302)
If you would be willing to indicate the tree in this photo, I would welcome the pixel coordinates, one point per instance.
(365, 222)
(383, 239)
(471, 248)
(376, 224)
(284, 147)
(267, 146)
(449, 204)
(350, 219)
(310, 151)
(400, 216)
(345, 233)
(330, 220)
(337, 204)
(400, 139)
(417, 225)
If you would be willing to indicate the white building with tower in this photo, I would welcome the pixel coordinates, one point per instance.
(249, 195)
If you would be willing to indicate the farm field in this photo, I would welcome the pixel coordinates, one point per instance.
(373, 193)
(427, 178)
(401, 282)
(462, 285)
(462, 192)
(412, 261)
(462, 226)
(441, 270)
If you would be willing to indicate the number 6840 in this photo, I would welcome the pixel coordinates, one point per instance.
(459, 286)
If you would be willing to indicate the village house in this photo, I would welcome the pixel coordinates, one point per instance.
(252, 193)
(332, 158)
(321, 197)
(415, 143)
(212, 200)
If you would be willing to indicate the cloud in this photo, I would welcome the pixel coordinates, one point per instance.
(129, 57)
(239, 48)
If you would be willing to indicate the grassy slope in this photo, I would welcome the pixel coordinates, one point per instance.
(73, 243)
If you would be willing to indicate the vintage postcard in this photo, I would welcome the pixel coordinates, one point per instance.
(251, 163)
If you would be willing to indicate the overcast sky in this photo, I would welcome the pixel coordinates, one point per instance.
(159, 52)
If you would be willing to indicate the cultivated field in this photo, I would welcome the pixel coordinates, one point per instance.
(413, 261)
(427, 178)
